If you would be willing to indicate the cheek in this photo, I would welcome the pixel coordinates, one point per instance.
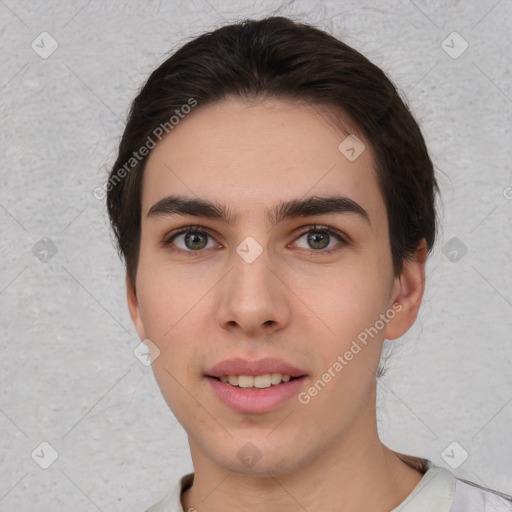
(346, 299)
(349, 351)
(177, 314)
(169, 297)
(171, 308)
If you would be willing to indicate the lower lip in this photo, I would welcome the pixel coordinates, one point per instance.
(256, 401)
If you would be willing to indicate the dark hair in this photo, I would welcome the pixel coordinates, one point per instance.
(279, 58)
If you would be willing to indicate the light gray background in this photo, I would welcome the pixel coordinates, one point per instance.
(67, 372)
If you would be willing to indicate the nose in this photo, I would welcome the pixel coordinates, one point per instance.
(252, 299)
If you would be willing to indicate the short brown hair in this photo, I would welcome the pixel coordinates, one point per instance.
(278, 58)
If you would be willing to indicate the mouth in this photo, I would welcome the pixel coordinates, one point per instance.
(250, 399)
(254, 386)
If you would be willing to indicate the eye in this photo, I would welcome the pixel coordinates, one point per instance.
(190, 239)
(319, 239)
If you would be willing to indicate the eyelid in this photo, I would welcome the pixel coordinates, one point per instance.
(329, 229)
(343, 240)
(191, 228)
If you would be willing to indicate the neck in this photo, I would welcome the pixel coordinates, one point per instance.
(355, 473)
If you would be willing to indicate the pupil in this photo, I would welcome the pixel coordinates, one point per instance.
(315, 240)
(193, 240)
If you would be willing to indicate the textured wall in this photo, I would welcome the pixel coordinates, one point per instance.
(68, 376)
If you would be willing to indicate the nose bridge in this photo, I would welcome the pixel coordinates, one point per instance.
(250, 275)
(251, 295)
(255, 274)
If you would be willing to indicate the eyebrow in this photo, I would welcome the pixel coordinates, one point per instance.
(315, 205)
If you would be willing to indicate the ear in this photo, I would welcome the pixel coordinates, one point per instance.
(408, 293)
(133, 307)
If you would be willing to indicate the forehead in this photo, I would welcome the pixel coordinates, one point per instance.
(252, 155)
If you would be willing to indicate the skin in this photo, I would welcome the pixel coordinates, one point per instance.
(303, 306)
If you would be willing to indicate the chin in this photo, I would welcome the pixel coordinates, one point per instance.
(259, 459)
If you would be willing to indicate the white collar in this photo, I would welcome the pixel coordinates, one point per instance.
(435, 491)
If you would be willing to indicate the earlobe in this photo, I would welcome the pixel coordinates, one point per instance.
(408, 293)
(133, 307)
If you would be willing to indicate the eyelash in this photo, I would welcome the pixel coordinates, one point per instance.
(343, 239)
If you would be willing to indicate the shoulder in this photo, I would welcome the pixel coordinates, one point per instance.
(157, 507)
(172, 502)
(442, 491)
(471, 497)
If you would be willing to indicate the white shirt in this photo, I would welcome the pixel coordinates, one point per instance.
(438, 491)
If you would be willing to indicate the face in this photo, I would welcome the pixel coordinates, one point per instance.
(292, 264)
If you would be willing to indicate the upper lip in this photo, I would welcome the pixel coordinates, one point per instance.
(240, 366)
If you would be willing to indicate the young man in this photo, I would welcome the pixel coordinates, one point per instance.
(273, 200)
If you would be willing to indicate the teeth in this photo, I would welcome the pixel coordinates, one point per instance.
(245, 381)
(276, 378)
(260, 381)
(263, 381)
